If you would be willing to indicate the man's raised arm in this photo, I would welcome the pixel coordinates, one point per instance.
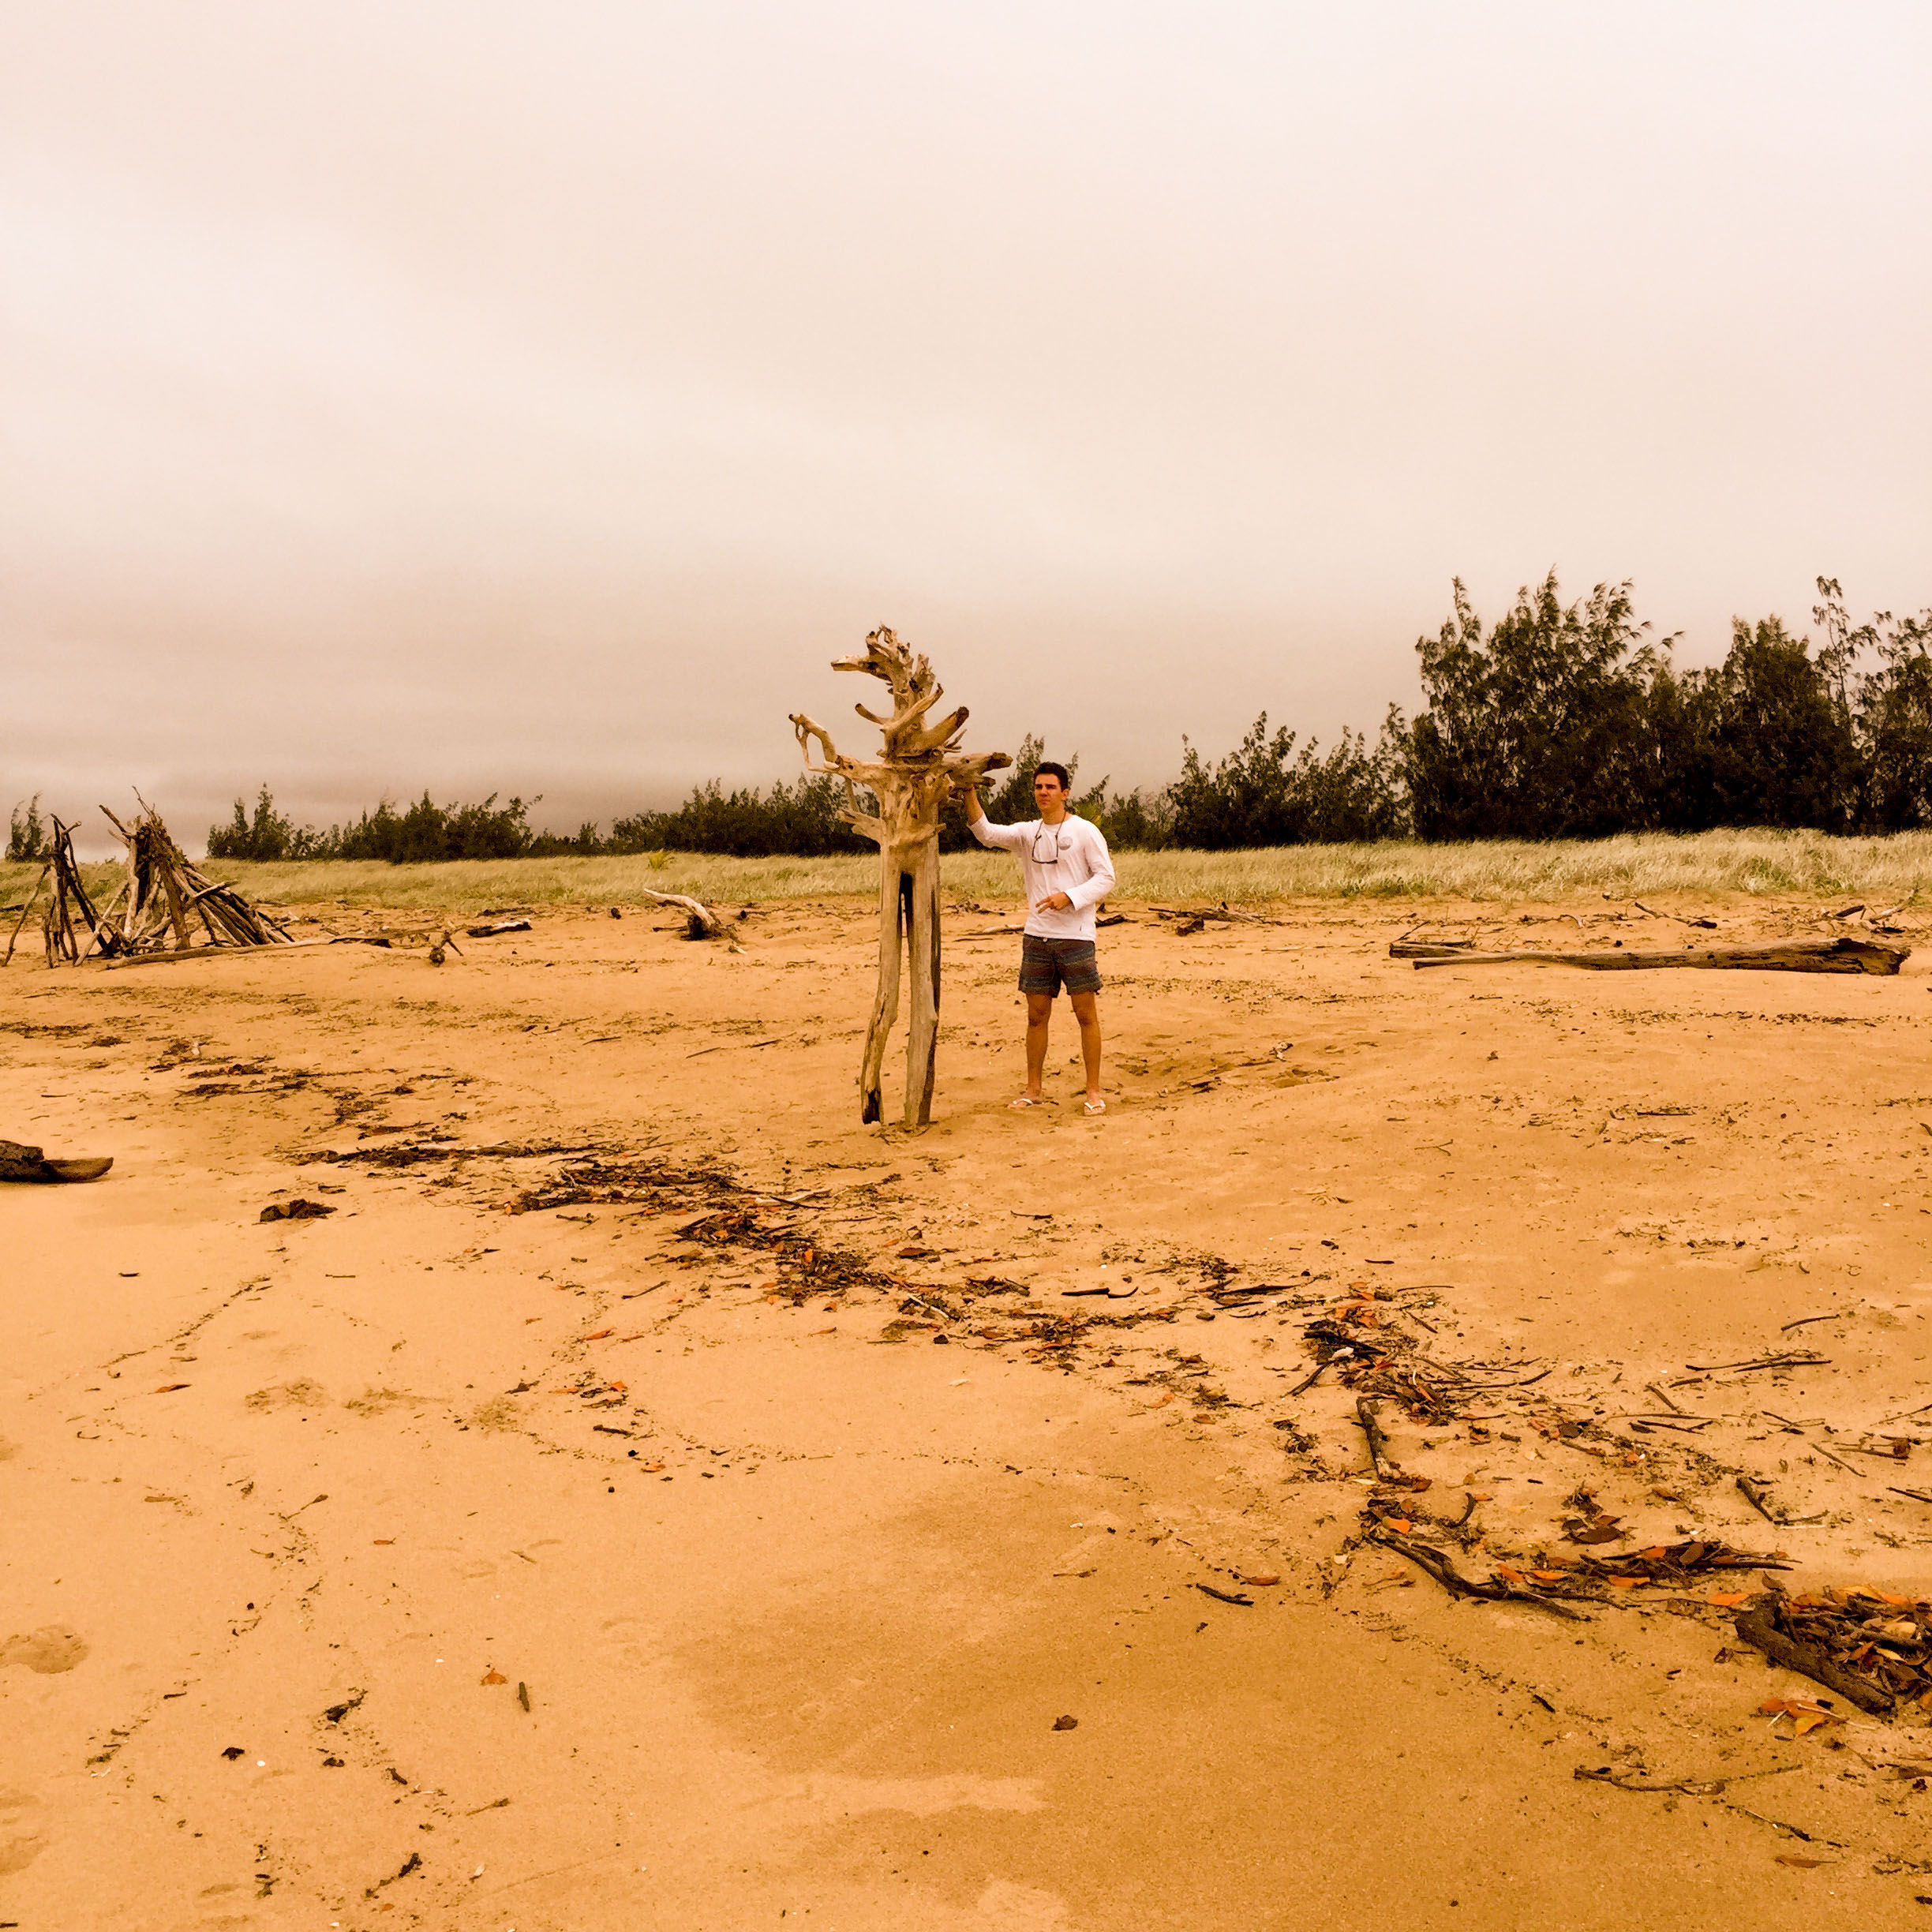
(1009, 837)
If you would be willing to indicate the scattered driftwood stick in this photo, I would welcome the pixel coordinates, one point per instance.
(1692, 1787)
(1709, 925)
(1918, 1496)
(1675, 1408)
(1386, 1469)
(1438, 1565)
(1224, 912)
(1309, 1381)
(1807, 1359)
(1793, 1428)
(1756, 1497)
(1754, 1627)
(1838, 956)
(1225, 1597)
(1431, 949)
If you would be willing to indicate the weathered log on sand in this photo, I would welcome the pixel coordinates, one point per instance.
(705, 923)
(1430, 949)
(18, 1162)
(920, 767)
(1826, 956)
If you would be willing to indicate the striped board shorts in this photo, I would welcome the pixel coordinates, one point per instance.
(1046, 965)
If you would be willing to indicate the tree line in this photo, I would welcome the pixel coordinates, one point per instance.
(1557, 721)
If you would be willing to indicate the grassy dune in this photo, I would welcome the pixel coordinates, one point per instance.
(1887, 871)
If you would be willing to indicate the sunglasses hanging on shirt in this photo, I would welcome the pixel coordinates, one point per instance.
(1039, 832)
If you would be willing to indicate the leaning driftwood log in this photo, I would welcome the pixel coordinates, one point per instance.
(920, 767)
(27, 908)
(1827, 955)
(70, 912)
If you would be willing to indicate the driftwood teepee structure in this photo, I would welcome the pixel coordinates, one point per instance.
(920, 767)
(155, 908)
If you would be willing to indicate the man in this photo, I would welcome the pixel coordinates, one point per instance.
(1064, 861)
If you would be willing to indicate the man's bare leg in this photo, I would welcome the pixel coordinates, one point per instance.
(1087, 1011)
(1039, 1017)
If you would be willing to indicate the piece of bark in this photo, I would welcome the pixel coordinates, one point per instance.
(1834, 956)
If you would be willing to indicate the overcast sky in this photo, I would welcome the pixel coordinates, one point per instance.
(536, 398)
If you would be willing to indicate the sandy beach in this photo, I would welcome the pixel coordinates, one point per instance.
(358, 1570)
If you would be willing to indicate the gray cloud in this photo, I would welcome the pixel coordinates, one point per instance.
(487, 396)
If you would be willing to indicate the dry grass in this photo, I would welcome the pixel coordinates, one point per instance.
(1887, 871)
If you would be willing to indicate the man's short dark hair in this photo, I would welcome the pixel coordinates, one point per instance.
(1055, 771)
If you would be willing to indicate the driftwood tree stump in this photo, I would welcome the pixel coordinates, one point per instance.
(920, 767)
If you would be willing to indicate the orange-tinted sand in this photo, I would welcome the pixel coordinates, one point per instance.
(796, 1593)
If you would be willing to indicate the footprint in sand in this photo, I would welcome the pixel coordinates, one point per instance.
(302, 1394)
(1005, 1906)
(20, 1843)
(52, 1648)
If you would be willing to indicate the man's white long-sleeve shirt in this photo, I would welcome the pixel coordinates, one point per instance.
(1070, 857)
